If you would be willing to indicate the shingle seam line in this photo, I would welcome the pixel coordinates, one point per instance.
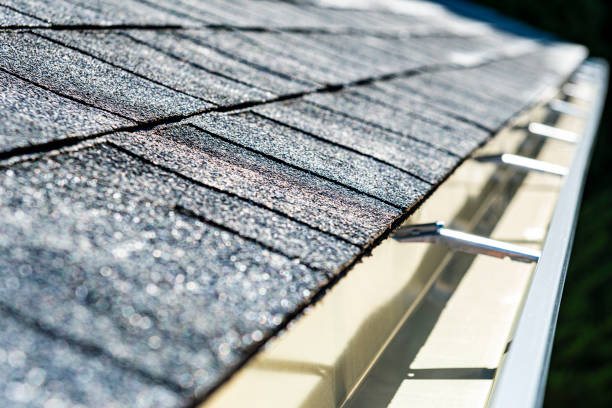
(412, 88)
(298, 168)
(195, 65)
(341, 273)
(129, 71)
(147, 125)
(245, 61)
(424, 118)
(386, 129)
(303, 42)
(230, 27)
(93, 27)
(90, 349)
(24, 13)
(226, 27)
(66, 96)
(231, 194)
(415, 115)
(343, 147)
(190, 213)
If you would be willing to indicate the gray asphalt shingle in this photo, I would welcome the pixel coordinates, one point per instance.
(357, 50)
(133, 56)
(411, 96)
(459, 140)
(341, 65)
(303, 151)
(394, 94)
(265, 14)
(206, 12)
(322, 204)
(133, 12)
(97, 12)
(247, 50)
(213, 60)
(54, 11)
(31, 115)
(12, 18)
(38, 370)
(71, 73)
(411, 155)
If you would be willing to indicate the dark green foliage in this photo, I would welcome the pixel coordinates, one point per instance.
(581, 367)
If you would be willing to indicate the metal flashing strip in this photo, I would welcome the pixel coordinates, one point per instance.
(460, 241)
(524, 163)
(540, 129)
(522, 378)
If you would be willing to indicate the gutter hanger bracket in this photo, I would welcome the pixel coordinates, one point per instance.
(523, 163)
(567, 108)
(575, 90)
(551, 132)
(436, 232)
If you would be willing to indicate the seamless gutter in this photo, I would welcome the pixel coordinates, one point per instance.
(522, 378)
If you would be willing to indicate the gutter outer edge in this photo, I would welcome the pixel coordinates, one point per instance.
(522, 378)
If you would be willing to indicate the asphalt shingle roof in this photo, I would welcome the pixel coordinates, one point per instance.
(178, 180)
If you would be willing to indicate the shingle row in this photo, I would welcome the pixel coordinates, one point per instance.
(426, 19)
(88, 80)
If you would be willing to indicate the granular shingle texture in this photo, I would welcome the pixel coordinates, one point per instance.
(12, 18)
(298, 149)
(299, 194)
(91, 81)
(409, 155)
(219, 61)
(113, 264)
(30, 115)
(134, 56)
(38, 368)
(452, 135)
(179, 180)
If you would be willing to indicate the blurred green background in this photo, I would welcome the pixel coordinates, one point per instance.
(581, 367)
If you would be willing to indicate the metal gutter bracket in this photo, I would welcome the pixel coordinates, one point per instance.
(574, 90)
(551, 132)
(567, 108)
(436, 232)
(523, 163)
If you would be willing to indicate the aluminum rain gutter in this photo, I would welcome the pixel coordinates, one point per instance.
(522, 378)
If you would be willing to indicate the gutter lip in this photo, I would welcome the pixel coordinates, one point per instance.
(522, 379)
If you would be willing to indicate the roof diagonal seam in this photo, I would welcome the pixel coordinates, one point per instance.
(231, 194)
(376, 125)
(425, 118)
(23, 13)
(298, 168)
(95, 27)
(193, 64)
(72, 98)
(344, 147)
(243, 61)
(171, 11)
(190, 213)
(89, 348)
(121, 68)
